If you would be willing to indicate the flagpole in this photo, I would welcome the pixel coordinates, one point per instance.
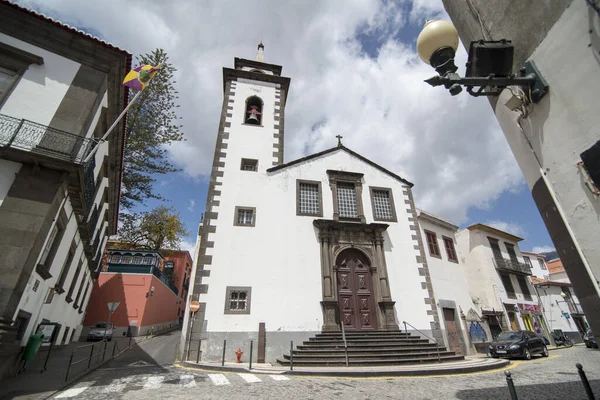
(119, 118)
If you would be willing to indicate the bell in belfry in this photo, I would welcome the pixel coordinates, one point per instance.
(253, 117)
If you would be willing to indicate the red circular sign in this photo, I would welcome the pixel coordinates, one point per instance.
(194, 306)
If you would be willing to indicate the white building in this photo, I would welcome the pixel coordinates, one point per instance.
(559, 302)
(59, 89)
(557, 144)
(448, 280)
(288, 250)
(537, 263)
(498, 280)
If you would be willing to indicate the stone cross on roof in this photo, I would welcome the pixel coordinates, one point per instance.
(339, 138)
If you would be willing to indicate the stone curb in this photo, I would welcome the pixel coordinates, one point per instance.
(497, 364)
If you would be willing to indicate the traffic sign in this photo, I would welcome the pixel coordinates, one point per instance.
(194, 306)
(112, 306)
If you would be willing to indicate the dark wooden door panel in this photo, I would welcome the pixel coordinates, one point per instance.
(452, 331)
(355, 294)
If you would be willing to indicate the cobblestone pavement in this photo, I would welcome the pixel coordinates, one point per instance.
(541, 378)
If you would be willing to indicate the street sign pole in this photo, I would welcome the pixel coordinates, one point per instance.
(112, 306)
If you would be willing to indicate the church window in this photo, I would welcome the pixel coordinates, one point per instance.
(346, 188)
(382, 202)
(347, 200)
(237, 300)
(254, 109)
(434, 249)
(245, 216)
(450, 250)
(308, 198)
(249, 164)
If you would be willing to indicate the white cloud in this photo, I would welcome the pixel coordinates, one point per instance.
(190, 205)
(188, 245)
(451, 147)
(543, 249)
(510, 227)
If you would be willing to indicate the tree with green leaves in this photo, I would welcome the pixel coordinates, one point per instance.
(152, 124)
(153, 230)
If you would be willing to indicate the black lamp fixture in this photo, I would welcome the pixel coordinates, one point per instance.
(489, 66)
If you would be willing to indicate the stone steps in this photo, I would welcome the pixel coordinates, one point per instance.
(372, 348)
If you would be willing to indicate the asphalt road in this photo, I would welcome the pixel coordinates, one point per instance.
(159, 350)
(554, 377)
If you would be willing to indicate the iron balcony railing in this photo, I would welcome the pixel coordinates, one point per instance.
(574, 308)
(31, 136)
(140, 269)
(511, 266)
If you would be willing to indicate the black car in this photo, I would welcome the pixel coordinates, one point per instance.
(518, 344)
(590, 340)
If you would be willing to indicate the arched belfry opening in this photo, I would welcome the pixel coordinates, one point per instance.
(254, 111)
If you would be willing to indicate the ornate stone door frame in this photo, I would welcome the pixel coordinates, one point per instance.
(335, 237)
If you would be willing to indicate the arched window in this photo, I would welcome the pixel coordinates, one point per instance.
(257, 70)
(254, 108)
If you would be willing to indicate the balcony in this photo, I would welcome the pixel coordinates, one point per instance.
(29, 136)
(141, 269)
(512, 266)
(574, 308)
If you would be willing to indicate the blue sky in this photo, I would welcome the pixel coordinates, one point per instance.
(451, 147)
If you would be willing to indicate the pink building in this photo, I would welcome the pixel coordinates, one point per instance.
(150, 288)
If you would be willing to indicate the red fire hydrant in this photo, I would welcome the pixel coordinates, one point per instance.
(238, 354)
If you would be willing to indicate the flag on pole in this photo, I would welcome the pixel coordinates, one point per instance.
(138, 78)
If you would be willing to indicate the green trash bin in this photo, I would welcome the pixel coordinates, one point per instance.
(33, 345)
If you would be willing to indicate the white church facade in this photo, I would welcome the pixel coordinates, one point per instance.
(287, 251)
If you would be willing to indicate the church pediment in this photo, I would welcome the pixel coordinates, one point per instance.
(333, 150)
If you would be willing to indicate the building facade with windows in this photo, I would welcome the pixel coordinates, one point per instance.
(560, 303)
(537, 264)
(59, 90)
(451, 288)
(288, 250)
(498, 279)
(150, 287)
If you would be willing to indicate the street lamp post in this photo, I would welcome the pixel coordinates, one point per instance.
(489, 67)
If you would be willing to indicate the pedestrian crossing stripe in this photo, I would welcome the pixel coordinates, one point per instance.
(156, 381)
(187, 381)
(218, 379)
(280, 377)
(250, 378)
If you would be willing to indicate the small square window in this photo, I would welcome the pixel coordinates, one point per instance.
(249, 165)
(36, 285)
(308, 198)
(138, 259)
(434, 249)
(382, 202)
(450, 250)
(245, 216)
(237, 300)
(542, 263)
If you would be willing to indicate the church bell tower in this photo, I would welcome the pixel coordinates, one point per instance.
(249, 141)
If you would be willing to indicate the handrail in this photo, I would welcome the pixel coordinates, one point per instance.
(345, 344)
(437, 346)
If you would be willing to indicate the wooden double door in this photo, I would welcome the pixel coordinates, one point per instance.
(355, 291)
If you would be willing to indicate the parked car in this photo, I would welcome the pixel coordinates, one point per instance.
(590, 339)
(518, 344)
(101, 331)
